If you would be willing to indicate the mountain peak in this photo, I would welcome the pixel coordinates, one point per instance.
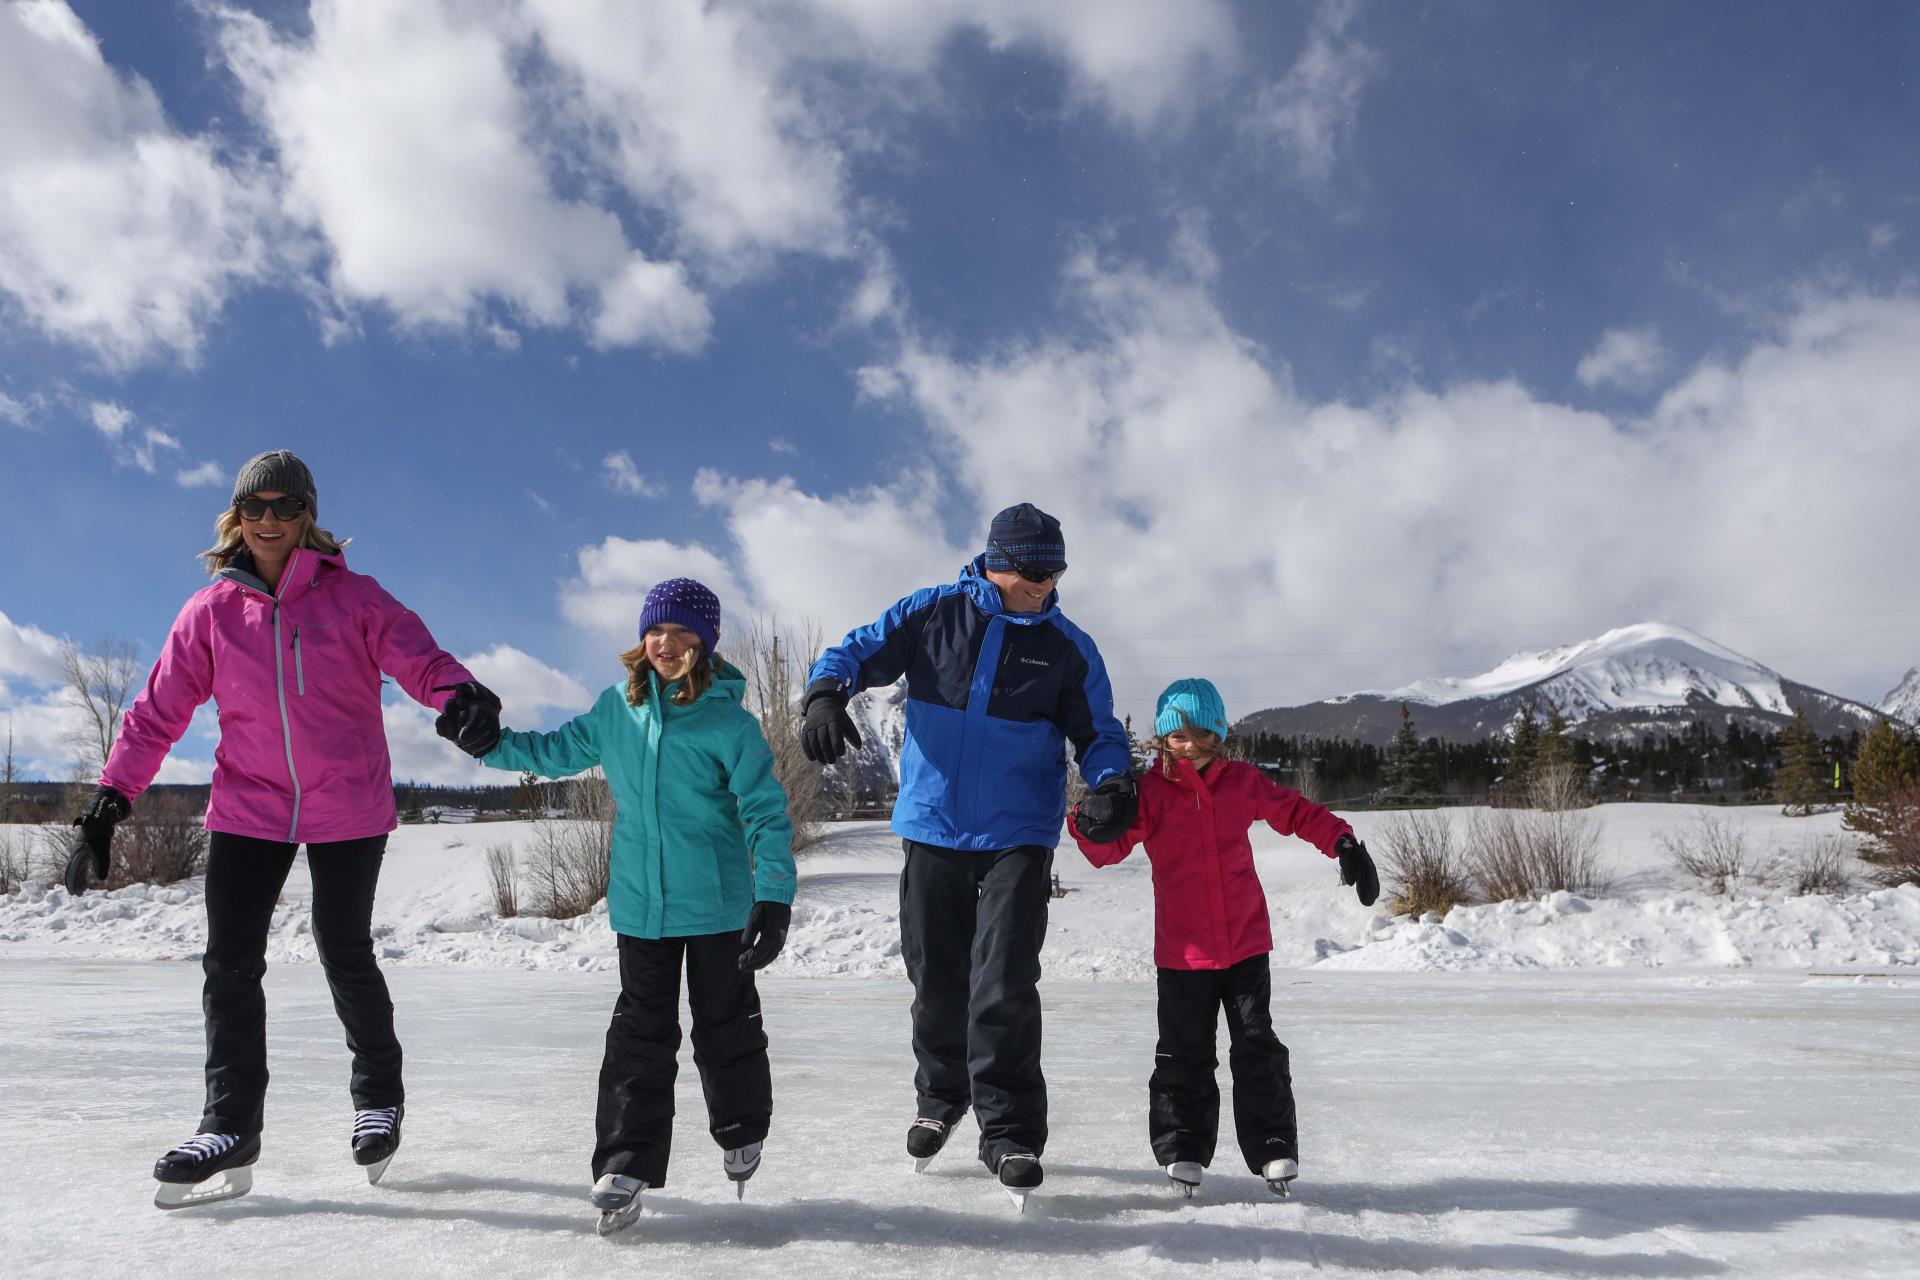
(1903, 700)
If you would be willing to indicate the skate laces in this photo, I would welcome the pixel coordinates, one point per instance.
(935, 1125)
(374, 1122)
(205, 1146)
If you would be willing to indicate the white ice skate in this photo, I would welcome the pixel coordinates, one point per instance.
(741, 1163)
(1185, 1177)
(1280, 1175)
(617, 1197)
(205, 1169)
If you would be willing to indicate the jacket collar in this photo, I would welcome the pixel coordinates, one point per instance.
(303, 569)
(728, 685)
(973, 575)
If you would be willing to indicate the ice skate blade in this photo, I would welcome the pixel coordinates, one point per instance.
(920, 1163)
(1282, 1187)
(1019, 1197)
(1185, 1190)
(613, 1220)
(228, 1184)
(377, 1170)
(740, 1189)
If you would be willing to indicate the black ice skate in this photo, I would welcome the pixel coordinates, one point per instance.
(1020, 1173)
(924, 1140)
(741, 1163)
(617, 1197)
(205, 1169)
(1185, 1177)
(1280, 1175)
(376, 1136)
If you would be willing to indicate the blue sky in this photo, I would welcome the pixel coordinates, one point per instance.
(1354, 343)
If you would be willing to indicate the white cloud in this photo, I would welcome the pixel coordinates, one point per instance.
(780, 444)
(117, 233)
(622, 476)
(651, 303)
(146, 455)
(206, 475)
(1882, 236)
(605, 597)
(525, 684)
(28, 653)
(109, 418)
(1310, 111)
(1220, 524)
(20, 412)
(1631, 359)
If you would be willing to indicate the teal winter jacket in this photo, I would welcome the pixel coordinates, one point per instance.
(694, 796)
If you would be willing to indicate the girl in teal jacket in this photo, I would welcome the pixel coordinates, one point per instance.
(702, 868)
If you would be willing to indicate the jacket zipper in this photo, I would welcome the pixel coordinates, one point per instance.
(286, 723)
(299, 671)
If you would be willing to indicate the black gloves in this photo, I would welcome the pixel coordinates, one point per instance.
(1105, 815)
(829, 728)
(471, 720)
(765, 934)
(1356, 869)
(94, 848)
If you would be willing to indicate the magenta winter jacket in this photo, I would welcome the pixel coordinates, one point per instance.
(1209, 911)
(303, 749)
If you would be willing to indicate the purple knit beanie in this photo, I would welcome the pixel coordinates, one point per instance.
(686, 603)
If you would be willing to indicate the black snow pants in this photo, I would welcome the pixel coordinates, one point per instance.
(1183, 1099)
(244, 879)
(634, 1120)
(971, 925)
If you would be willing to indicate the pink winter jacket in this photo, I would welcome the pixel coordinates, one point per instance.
(303, 749)
(1209, 911)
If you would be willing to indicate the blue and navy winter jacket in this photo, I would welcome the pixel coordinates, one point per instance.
(992, 699)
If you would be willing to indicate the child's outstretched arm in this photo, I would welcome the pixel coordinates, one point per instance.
(1292, 814)
(572, 748)
(1105, 855)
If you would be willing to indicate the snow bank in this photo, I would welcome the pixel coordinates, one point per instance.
(434, 909)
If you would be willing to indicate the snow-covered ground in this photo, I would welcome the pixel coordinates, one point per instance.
(1594, 1123)
(434, 909)
(1647, 1083)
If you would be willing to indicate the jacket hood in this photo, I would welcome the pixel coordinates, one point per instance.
(974, 575)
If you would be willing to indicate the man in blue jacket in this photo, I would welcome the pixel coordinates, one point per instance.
(998, 682)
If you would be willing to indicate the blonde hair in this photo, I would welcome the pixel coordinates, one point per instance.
(695, 674)
(227, 542)
(1214, 744)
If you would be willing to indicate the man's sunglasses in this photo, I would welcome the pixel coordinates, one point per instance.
(1030, 574)
(282, 508)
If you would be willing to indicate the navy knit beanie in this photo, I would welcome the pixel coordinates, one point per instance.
(279, 470)
(1030, 536)
(686, 603)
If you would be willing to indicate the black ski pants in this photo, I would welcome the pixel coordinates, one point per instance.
(1183, 1099)
(971, 925)
(244, 879)
(634, 1120)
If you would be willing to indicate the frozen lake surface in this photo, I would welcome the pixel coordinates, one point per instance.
(1583, 1122)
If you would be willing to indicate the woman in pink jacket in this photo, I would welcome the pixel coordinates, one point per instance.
(1211, 936)
(291, 645)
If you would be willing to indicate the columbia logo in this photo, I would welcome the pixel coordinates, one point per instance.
(1035, 662)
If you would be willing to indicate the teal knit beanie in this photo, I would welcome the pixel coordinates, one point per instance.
(1190, 704)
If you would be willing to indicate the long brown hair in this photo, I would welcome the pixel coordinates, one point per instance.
(694, 681)
(1159, 743)
(227, 542)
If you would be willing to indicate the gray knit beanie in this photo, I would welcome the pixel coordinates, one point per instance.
(277, 469)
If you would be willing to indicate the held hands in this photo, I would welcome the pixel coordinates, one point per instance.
(829, 728)
(1105, 815)
(765, 934)
(1356, 869)
(471, 718)
(93, 850)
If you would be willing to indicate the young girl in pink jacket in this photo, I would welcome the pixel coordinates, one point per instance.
(1211, 936)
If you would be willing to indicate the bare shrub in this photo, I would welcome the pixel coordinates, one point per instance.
(503, 877)
(1306, 779)
(163, 842)
(774, 658)
(13, 859)
(99, 684)
(1822, 865)
(1714, 852)
(1896, 853)
(569, 860)
(1424, 869)
(1553, 845)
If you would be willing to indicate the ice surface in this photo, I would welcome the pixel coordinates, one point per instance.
(1622, 1123)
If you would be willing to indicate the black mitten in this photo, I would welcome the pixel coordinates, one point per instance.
(1105, 815)
(828, 728)
(765, 934)
(1356, 869)
(471, 718)
(93, 851)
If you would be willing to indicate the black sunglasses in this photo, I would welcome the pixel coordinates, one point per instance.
(283, 508)
(1031, 575)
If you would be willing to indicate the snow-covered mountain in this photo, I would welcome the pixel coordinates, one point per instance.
(1651, 677)
(1903, 702)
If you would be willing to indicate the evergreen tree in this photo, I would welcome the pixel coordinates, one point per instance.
(1888, 762)
(1408, 771)
(1801, 780)
(1524, 755)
